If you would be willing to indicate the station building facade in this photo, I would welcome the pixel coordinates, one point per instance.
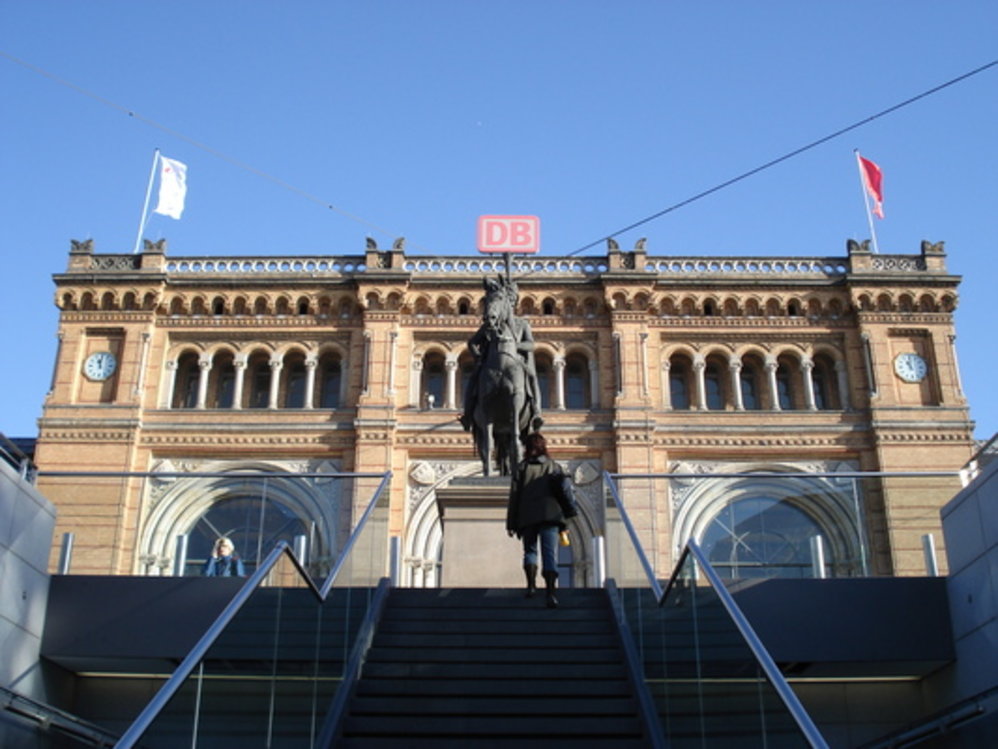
(703, 368)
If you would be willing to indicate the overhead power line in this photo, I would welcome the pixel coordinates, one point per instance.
(784, 157)
(202, 146)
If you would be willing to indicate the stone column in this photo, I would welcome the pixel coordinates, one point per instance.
(593, 384)
(736, 385)
(171, 383)
(276, 365)
(450, 391)
(806, 368)
(239, 362)
(559, 383)
(667, 403)
(771, 366)
(699, 370)
(311, 365)
(204, 371)
(415, 378)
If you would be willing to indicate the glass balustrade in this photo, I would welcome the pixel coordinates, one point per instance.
(267, 671)
(712, 682)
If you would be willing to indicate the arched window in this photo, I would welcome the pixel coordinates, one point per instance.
(295, 375)
(254, 525)
(222, 384)
(185, 389)
(826, 395)
(545, 378)
(749, 382)
(785, 390)
(761, 537)
(433, 380)
(714, 384)
(258, 373)
(330, 381)
(680, 373)
(577, 391)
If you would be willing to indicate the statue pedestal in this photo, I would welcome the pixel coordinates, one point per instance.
(477, 553)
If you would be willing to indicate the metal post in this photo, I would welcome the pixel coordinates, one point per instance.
(929, 550)
(395, 561)
(599, 561)
(300, 547)
(818, 557)
(180, 557)
(66, 553)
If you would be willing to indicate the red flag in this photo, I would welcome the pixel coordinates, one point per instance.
(873, 178)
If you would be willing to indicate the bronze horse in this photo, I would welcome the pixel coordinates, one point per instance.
(505, 398)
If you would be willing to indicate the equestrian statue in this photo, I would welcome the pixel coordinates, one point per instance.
(502, 401)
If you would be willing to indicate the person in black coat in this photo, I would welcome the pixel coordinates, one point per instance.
(540, 501)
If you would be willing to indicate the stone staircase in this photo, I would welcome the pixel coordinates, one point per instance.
(487, 667)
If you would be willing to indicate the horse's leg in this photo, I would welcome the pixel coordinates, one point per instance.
(487, 449)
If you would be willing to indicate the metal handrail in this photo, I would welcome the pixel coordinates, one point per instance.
(789, 474)
(642, 557)
(759, 651)
(201, 648)
(762, 656)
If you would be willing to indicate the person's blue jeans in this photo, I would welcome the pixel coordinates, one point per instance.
(548, 537)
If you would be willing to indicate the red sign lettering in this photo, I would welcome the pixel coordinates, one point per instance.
(519, 234)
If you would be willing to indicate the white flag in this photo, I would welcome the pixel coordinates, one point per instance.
(172, 187)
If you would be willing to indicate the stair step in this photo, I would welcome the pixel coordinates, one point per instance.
(517, 671)
(496, 625)
(537, 687)
(493, 742)
(487, 726)
(491, 705)
(553, 656)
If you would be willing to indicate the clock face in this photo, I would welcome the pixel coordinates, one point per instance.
(100, 365)
(910, 367)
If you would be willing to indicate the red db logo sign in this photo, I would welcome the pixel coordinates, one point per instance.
(520, 234)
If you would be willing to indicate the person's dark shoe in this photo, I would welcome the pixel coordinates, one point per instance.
(551, 580)
(530, 571)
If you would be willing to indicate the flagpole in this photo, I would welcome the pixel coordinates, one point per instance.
(866, 201)
(145, 205)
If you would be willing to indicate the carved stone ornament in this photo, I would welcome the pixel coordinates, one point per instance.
(422, 473)
(585, 473)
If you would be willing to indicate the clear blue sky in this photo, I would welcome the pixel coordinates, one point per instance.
(417, 117)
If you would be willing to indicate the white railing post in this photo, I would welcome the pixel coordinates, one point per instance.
(929, 550)
(66, 553)
(180, 557)
(599, 561)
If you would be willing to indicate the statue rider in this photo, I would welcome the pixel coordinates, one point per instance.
(524, 338)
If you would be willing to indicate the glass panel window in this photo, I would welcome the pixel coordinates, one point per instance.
(750, 392)
(714, 388)
(761, 537)
(329, 385)
(576, 382)
(295, 395)
(679, 392)
(226, 386)
(784, 391)
(260, 385)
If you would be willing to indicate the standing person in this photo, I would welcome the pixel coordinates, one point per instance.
(540, 500)
(224, 562)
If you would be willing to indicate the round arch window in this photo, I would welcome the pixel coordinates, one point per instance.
(253, 524)
(762, 537)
